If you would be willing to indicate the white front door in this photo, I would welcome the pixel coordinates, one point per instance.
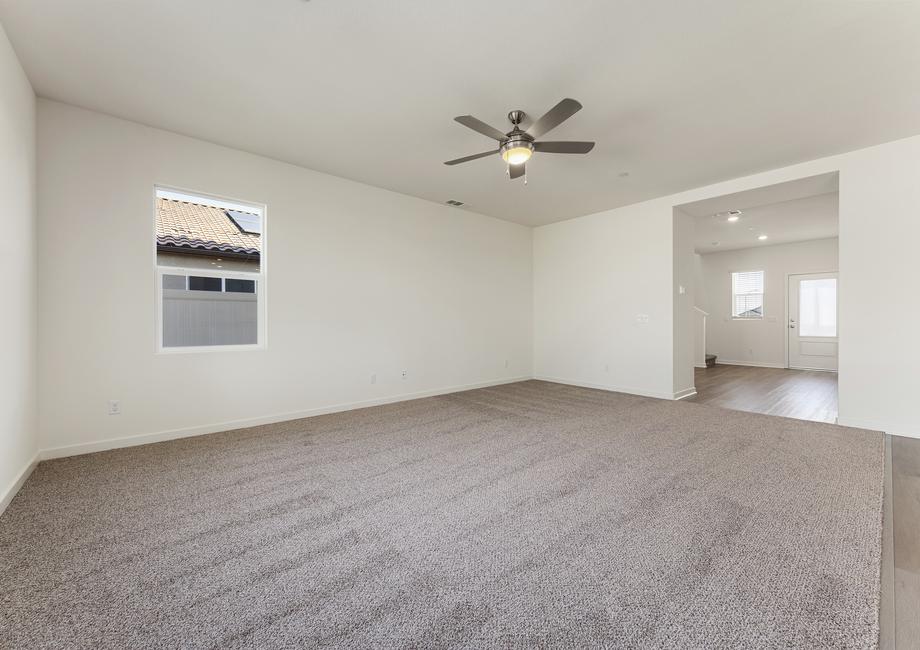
(812, 326)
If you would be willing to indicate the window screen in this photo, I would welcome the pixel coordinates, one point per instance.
(747, 295)
(204, 311)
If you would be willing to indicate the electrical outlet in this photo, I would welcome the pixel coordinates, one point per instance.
(114, 407)
(606, 367)
(642, 318)
(506, 363)
(374, 378)
(405, 373)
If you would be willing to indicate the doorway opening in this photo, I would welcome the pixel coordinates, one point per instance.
(756, 299)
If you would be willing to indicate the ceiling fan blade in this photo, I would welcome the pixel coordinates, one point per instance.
(516, 171)
(554, 117)
(563, 147)
(479, 126)
(457, 161)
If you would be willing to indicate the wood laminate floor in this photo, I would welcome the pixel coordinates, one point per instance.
(905, 510)
(800, 394)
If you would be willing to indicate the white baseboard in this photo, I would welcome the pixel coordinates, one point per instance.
(704, 366)
(17, 483)
(753, 364)
(684, 394)
(174, 434)
(607, 387)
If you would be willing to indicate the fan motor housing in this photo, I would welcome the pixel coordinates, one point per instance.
(516, 139)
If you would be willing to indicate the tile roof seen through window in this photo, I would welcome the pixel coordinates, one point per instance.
(202, 228)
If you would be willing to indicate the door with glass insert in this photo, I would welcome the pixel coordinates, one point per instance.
(812, 325)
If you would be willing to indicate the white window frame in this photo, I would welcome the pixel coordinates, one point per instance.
(763, 295)
(259, 277)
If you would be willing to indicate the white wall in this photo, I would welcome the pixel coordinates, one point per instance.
(700, 319)
(18, 434)
(602, 300)
(757, 342)
(593, 275)
(684, 267)
(360, 281)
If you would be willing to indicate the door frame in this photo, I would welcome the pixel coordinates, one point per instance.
(789, 276)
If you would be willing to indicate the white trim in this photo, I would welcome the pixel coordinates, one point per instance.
(612, 389)
(753, 364)
(18, 482)
(704, 366)
(685, 393)
(147, 438)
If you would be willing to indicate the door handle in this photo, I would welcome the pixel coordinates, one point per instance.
(792, 327)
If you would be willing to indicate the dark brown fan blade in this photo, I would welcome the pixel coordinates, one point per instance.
(516, 171)
(563, 147)
(478, 125)
(457, 161)
(554, 117)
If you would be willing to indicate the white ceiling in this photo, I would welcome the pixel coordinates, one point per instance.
(679, 94)
(799, 210)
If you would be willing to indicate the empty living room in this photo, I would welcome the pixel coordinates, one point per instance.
(351, 324)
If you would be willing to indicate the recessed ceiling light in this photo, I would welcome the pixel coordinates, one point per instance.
(733, 218)
(715, 243)
(761, 237)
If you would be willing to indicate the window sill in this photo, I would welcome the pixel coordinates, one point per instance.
(205, 349)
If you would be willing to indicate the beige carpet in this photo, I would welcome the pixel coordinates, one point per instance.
(527, 515)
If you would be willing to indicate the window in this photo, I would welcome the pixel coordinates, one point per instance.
(210, 273)
(747, 295)
(818, 307)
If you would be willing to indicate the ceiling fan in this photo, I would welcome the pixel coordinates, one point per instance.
(517, 146)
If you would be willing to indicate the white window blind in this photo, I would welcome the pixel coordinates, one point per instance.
(747, 294)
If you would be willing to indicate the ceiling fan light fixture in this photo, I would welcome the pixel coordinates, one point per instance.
(517, 156)
(517, 146)
(517, 152)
